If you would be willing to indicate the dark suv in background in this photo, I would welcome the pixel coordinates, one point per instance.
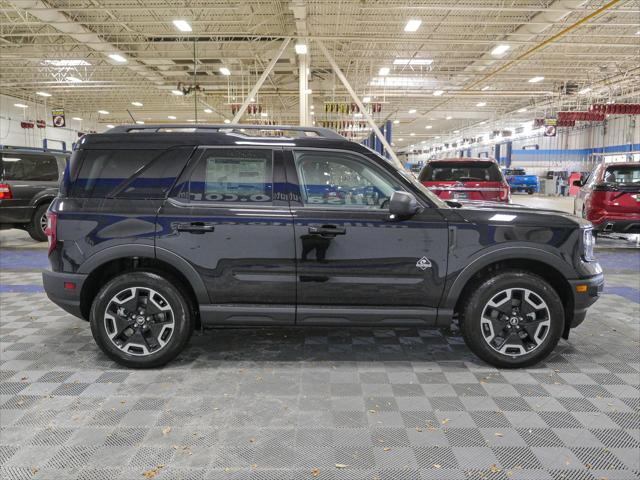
(162, 229)
(29, 181)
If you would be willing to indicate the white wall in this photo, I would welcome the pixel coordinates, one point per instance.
(11, 133)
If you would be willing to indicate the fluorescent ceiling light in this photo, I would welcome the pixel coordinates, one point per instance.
(313, 113)
(366, 99)
(396, 121)
(413, 61)
(139, 122)
(43, 94)
(522, 110)
(264, 114)
(482, 123)
(208, 110)
(308, 91)
(225, 71)
(485, 88)
(413, 25)
(226, 120)
(136, 104)
(384, 71)
(403, 81)
(499, 50)
(437, 93)
(66, 63)
(481, 104)
(103, 112)
(301, 48)
(177, 92)
(182, 25)
(20, 105)
(357, 114)
(171, 117)
(412, 134)
(73, 80)
(117, 57)
(413, 110)
(77, 119)
(585, 90)
(312, 107)
(456, 131)
(429, 127)
(536, 79)
(449, 117)
(400, 139)
(110, 126)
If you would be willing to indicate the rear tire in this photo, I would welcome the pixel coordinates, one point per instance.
(36, 228)
(141, 320)
(530, 191)
(529, 328)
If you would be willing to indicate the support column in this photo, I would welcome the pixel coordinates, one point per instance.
(507, 162)
(303, 76)
(496, 152)
(387, 135)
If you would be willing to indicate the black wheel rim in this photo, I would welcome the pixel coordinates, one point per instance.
(43, 223)
(139, 321)
(515, 321)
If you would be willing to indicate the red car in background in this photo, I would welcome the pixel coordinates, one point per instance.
(610, 198)
(466, 179)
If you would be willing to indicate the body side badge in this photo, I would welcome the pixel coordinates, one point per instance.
(423, 263)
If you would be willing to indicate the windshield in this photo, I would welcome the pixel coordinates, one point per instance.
(623, 174)
(461, 172)
(514, 172)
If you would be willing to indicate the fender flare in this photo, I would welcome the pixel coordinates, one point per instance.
(149, 251)
(498, 254)
(45, 196)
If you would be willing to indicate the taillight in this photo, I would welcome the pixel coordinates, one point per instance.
(5, 191)
(505, 193)
(52, 230)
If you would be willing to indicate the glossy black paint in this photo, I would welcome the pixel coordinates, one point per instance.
(285, 263)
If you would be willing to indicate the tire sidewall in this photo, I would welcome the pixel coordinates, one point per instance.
(182, 318)
(471, 327)
(35, 228)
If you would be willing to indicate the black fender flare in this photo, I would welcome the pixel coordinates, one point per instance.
(500, 253)
(45, 196)
(149, 251)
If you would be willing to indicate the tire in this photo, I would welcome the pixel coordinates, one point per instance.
(530, 191)
(547, 322)
(35, 228)
(163, 332)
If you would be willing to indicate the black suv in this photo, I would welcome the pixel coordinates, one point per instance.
(28, 183)
(162, 229)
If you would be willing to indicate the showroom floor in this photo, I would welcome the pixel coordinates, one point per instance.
(321, 403)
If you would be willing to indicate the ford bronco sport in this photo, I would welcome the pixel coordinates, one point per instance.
(158, 230)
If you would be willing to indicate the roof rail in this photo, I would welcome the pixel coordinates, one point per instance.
(227, 127)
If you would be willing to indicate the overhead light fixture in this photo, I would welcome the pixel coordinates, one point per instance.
(482, 123)
(139, 122)
(536, 79)
(252, 100)
(456, 131)
(301, 48)
(584, 90)
(413, 110)
(264, 114)
(226, 120)
(437, 93)
(208, 110)
(110, 126)
(182, 25)
(66, 63)
(413, 25)
(20, 105)
(313, 113)
(401, 139)
(312, 107)
(481, 104)
(412, 134)
(43, 94)
(308, 91)
(485, 88)
(449, 117)
(522, 110)
(396, 121)
(366, 99)
(384, 71)
(136, 104)
(103, 112)
(429, 127)
(413, 61)
(77, 119)
(499, 50)
(177, 92)
(73, 79)
(357, 114)
(225, 71)
(171, 117)
(117, 57)
(437, 138)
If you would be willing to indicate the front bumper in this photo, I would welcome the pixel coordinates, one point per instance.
(582, 300)
(66, 298)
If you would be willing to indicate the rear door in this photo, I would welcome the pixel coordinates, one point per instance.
(229, 219)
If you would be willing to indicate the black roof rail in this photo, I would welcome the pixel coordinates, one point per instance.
(226, 127)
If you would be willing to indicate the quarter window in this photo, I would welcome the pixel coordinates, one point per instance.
(29, 167)
(337, 180)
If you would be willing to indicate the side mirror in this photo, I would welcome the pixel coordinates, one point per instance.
(402, 204)
(577, 183)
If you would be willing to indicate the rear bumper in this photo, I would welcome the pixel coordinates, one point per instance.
(66, 298)
(583, 300)
(618, 226)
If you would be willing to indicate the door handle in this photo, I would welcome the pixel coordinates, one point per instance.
(328, 230)
(195, 227)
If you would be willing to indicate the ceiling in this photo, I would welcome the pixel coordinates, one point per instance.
(570, 43)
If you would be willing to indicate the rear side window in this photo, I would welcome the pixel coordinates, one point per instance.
(623, 174)
(232, 176)
(131, 174)
(29, 167)
(461, 172)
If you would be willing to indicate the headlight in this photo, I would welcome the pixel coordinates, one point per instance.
(588, 241)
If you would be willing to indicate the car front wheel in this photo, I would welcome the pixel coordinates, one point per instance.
(141, 320)
(512, 319)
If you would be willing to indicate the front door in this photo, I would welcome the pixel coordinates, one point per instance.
(226, 219)
(356, 264)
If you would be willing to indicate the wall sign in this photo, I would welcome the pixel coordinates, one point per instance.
(58, 118)
(550, 131)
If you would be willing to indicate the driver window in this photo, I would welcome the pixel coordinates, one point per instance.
(338, 180)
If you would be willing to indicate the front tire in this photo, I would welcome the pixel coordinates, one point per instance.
(37, 227)
(141, 320)
(512, 319)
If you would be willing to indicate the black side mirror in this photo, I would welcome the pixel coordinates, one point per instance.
(402, 204)
(577, 183)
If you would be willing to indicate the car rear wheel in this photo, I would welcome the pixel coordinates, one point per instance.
(530, 191)
(38, 225)
(512, 319)
(141, 320)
